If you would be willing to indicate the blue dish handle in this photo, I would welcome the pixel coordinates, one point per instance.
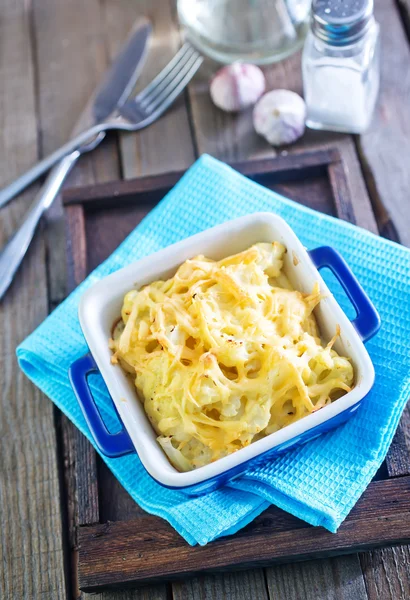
(110, 444)
(367, 321)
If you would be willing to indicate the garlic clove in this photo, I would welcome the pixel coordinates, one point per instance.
(237, 86)
(280, 116)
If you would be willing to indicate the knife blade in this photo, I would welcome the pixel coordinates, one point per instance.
(111, 93)
(119, 80)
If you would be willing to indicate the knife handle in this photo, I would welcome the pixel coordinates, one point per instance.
(81, 141)
(15, 249)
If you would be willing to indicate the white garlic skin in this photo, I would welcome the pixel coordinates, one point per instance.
(237, 86)
(280, 116)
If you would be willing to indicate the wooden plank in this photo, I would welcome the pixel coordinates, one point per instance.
(153, 187)
(76, 245)
(31, 552)
(230, 137)
(75, 470)
(167, 144)
(121, 553)
(71, 58)
(326, 579)
(117, 504)
(398, 458)
(228, 586)
(385, 148)
(387, 573)
(80, 455)
(340, 188)
(73, 34)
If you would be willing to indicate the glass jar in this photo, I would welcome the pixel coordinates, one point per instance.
(341, 66)
(256, 31)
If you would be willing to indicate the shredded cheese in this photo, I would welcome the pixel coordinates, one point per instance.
(226, 352)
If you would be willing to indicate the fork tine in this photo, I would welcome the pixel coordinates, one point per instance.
(164, 73)
(167, 97)
(169, 78)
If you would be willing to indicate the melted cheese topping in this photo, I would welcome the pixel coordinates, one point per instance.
(226, 352)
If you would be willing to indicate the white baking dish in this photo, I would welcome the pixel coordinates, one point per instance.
(101, 305)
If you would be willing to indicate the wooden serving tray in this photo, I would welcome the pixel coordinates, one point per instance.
(114, 542)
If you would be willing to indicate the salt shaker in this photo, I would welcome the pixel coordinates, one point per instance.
(341, 65)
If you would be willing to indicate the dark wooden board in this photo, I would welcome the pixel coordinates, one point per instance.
(141, 547)
(150, 549)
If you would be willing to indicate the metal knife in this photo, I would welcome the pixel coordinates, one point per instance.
(112, 93)
(114, 89)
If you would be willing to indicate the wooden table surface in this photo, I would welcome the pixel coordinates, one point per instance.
(52, 53)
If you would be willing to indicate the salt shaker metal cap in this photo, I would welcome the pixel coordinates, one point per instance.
(341, 22)
(341, 65)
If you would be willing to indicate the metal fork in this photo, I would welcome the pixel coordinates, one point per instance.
(137, 113)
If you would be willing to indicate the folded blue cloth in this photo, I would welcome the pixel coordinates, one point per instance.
(318, 482)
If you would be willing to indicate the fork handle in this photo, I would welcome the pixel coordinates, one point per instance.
(14, 251)
(49, 161)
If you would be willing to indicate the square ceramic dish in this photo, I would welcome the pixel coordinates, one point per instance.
(101, 305)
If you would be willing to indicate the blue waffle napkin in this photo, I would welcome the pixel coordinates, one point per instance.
(318, 482)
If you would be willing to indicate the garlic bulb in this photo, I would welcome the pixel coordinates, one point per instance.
(237, 86)
(279, 116)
